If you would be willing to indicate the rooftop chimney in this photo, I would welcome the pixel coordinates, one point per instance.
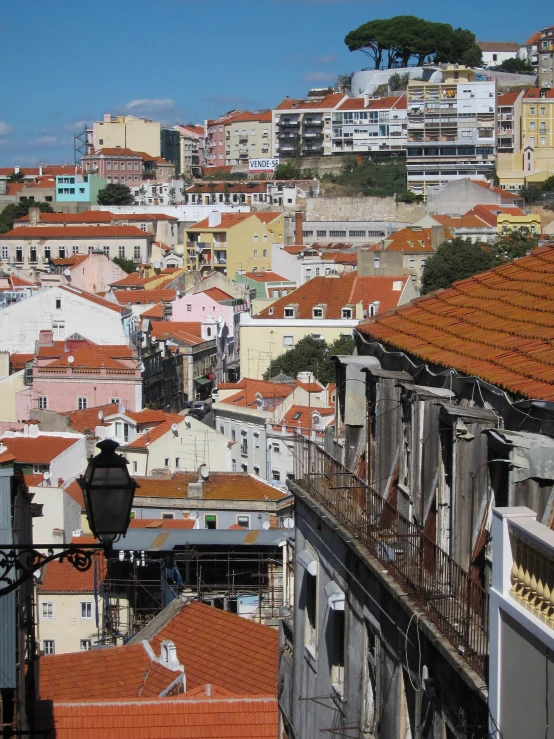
(214, 219)
(46, 337)
(438, 234)
(34, 216)
(298, 237)
(194, 489)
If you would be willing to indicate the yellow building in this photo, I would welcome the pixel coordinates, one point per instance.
(127, 132)
(528, 222)
(234, 242)
(534, 162)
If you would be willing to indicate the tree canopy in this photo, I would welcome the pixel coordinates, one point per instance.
(16, 177)
(516, 65)
(114, 194)
(459, 259)
(396, 41)
(13, 211)
(311, 355)
(127, 265)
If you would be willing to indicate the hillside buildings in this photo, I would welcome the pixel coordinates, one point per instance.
(304, 127)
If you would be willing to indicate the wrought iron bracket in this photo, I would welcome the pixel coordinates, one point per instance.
(19, 563)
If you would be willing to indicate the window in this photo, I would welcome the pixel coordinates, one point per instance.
(372, 676)
(166, 462)
(337, 671)
(543, 111)
(48, 646)
(346, 313)
(5, 253)
(321, 233)
(135, 469)
(47, 252)
(276, 447)
(58, 303)
(275, 475)
(74, 249)
(61, 252)
(42, 402)
(543, 141)
(121, 252)
(47, 610)
(244, 521)
(86, 609)
(85, 645)
(318, 313)
(532, 110)
(264, 253)
(310, 605)
(288, 340)
(255, 253)
(137, 252)
(58, 328)
(211, 522)
(289, 312)
(356, 233)
(106, 250)
(168, 515)
(337, 233)
(82, 403)
(256, 470)
(255, 238)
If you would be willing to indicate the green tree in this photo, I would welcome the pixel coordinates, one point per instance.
(16, 177)
(516, 65)
(127, 265)
(531, 194)
(513, 245)
(548, 184)
(455, 260)
(399, 81)
(13, 211)
(287, 171)
(311, 355)
(343, 83)
(114, 194)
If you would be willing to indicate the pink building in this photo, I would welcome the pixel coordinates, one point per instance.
(93, 272)
(76, 374)
(118, 165)
(219, 313)
(214, 142)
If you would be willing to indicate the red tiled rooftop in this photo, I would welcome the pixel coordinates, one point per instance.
(37, 450)
(337, 292)
(166, 718)
(499, 46)
(535, 92)
(215, 293)
(497, 325)
(498, 190)
(76, 232)
(85, 421)
(144, 297)
(188, 333)
(384, 103)
(18, 361)
(329, 101)
(219, 486)
(97, 216)
(228, 220)
(156, 311)
(92, 298)
(248, 391)
(506, 98)
(162, 523)
(62, 577)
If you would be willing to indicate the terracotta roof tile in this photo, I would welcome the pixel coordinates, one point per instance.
(511, 46)
(329, 101)
(62, 577)
(144, 297)
(166, 718)
(248, 391)
(38, 450)
(266, 277)
(75, 232)
(162, 523)
(75, 492)
(506, 98)
(85, 421)
(498, 190)
(497, 325)
(337, 292)
(93, 298)
(228, 220)
(187, 333)
(396, 101)
(97, 216)
(156, 311)
(216, 294)
(18, 361)
(219, 486)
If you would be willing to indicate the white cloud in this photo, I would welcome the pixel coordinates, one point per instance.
(149, 104)
(326, 59)
(47, 141)
(5, 130)
(319, 77)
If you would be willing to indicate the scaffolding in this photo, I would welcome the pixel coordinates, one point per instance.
(239, 579)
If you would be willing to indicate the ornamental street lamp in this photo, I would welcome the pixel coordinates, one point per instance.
(108, 490)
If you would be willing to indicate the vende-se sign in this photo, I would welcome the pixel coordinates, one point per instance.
(262, 165)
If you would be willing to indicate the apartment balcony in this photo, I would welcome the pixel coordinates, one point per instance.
(288, 123)
(312, 122)
(288, 136)
(243, 137)
(450, 597)
(312, 150)
(312, 135)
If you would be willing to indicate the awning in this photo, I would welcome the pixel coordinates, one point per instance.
(203, 381)
(335, 596)
(305, 559)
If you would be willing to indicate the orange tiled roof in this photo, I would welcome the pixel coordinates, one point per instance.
(266, 277)
(468, 220)
(51, 169)
(534, 39)
(506, 98)
(75, 492)
(498, 46)
(535, 92)
(395, 101)
(92, 298)
(144, 297)
(166, 718)
(216, 294)
(92, 356)
(220, 647)
(329, 101)
(162, 523)
(37, 450)
(248, 391)
(230, 187)
(335, 293)
(497, 325)
(187, 333)
(62, 577)
(76, 232)
(18, 361)
(219, 486)
(489, 213)
(247, 116)
(498, 190)
(156, 311)
(116, 151)
(85, 421)
(301, 415)
(228, 220)
(97, 216)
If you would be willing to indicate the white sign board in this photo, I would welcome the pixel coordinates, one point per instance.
(262, 165)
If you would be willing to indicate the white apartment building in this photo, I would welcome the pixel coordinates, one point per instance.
(363, 125)
(304, 127)
(451, 129)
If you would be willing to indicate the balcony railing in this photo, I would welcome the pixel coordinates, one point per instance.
(532, 572)
(453, 600)
(285, 123)
(288, 136)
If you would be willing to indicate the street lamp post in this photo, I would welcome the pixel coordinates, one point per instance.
(108, 490)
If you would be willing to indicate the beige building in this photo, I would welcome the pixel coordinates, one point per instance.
(126, 132)
(325, 307)
(247, 136)
(68, 608)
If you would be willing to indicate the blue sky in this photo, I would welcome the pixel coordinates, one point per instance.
(66, 63)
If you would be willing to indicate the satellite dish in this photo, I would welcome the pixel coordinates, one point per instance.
(174, 428)
(156, 265)
(193, 515)
(121, 408)
(266, 525)
(67, 272)
(153, 338)
(70, 359)
(288, 523)
(138, 269)
(177, 292)
(46, 475)
(204, 471)
(142, 367)
(100, 415)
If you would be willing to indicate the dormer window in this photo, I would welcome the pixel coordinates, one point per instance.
(270, 311)
(346, 313)
(289, 312)
(318, 312)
